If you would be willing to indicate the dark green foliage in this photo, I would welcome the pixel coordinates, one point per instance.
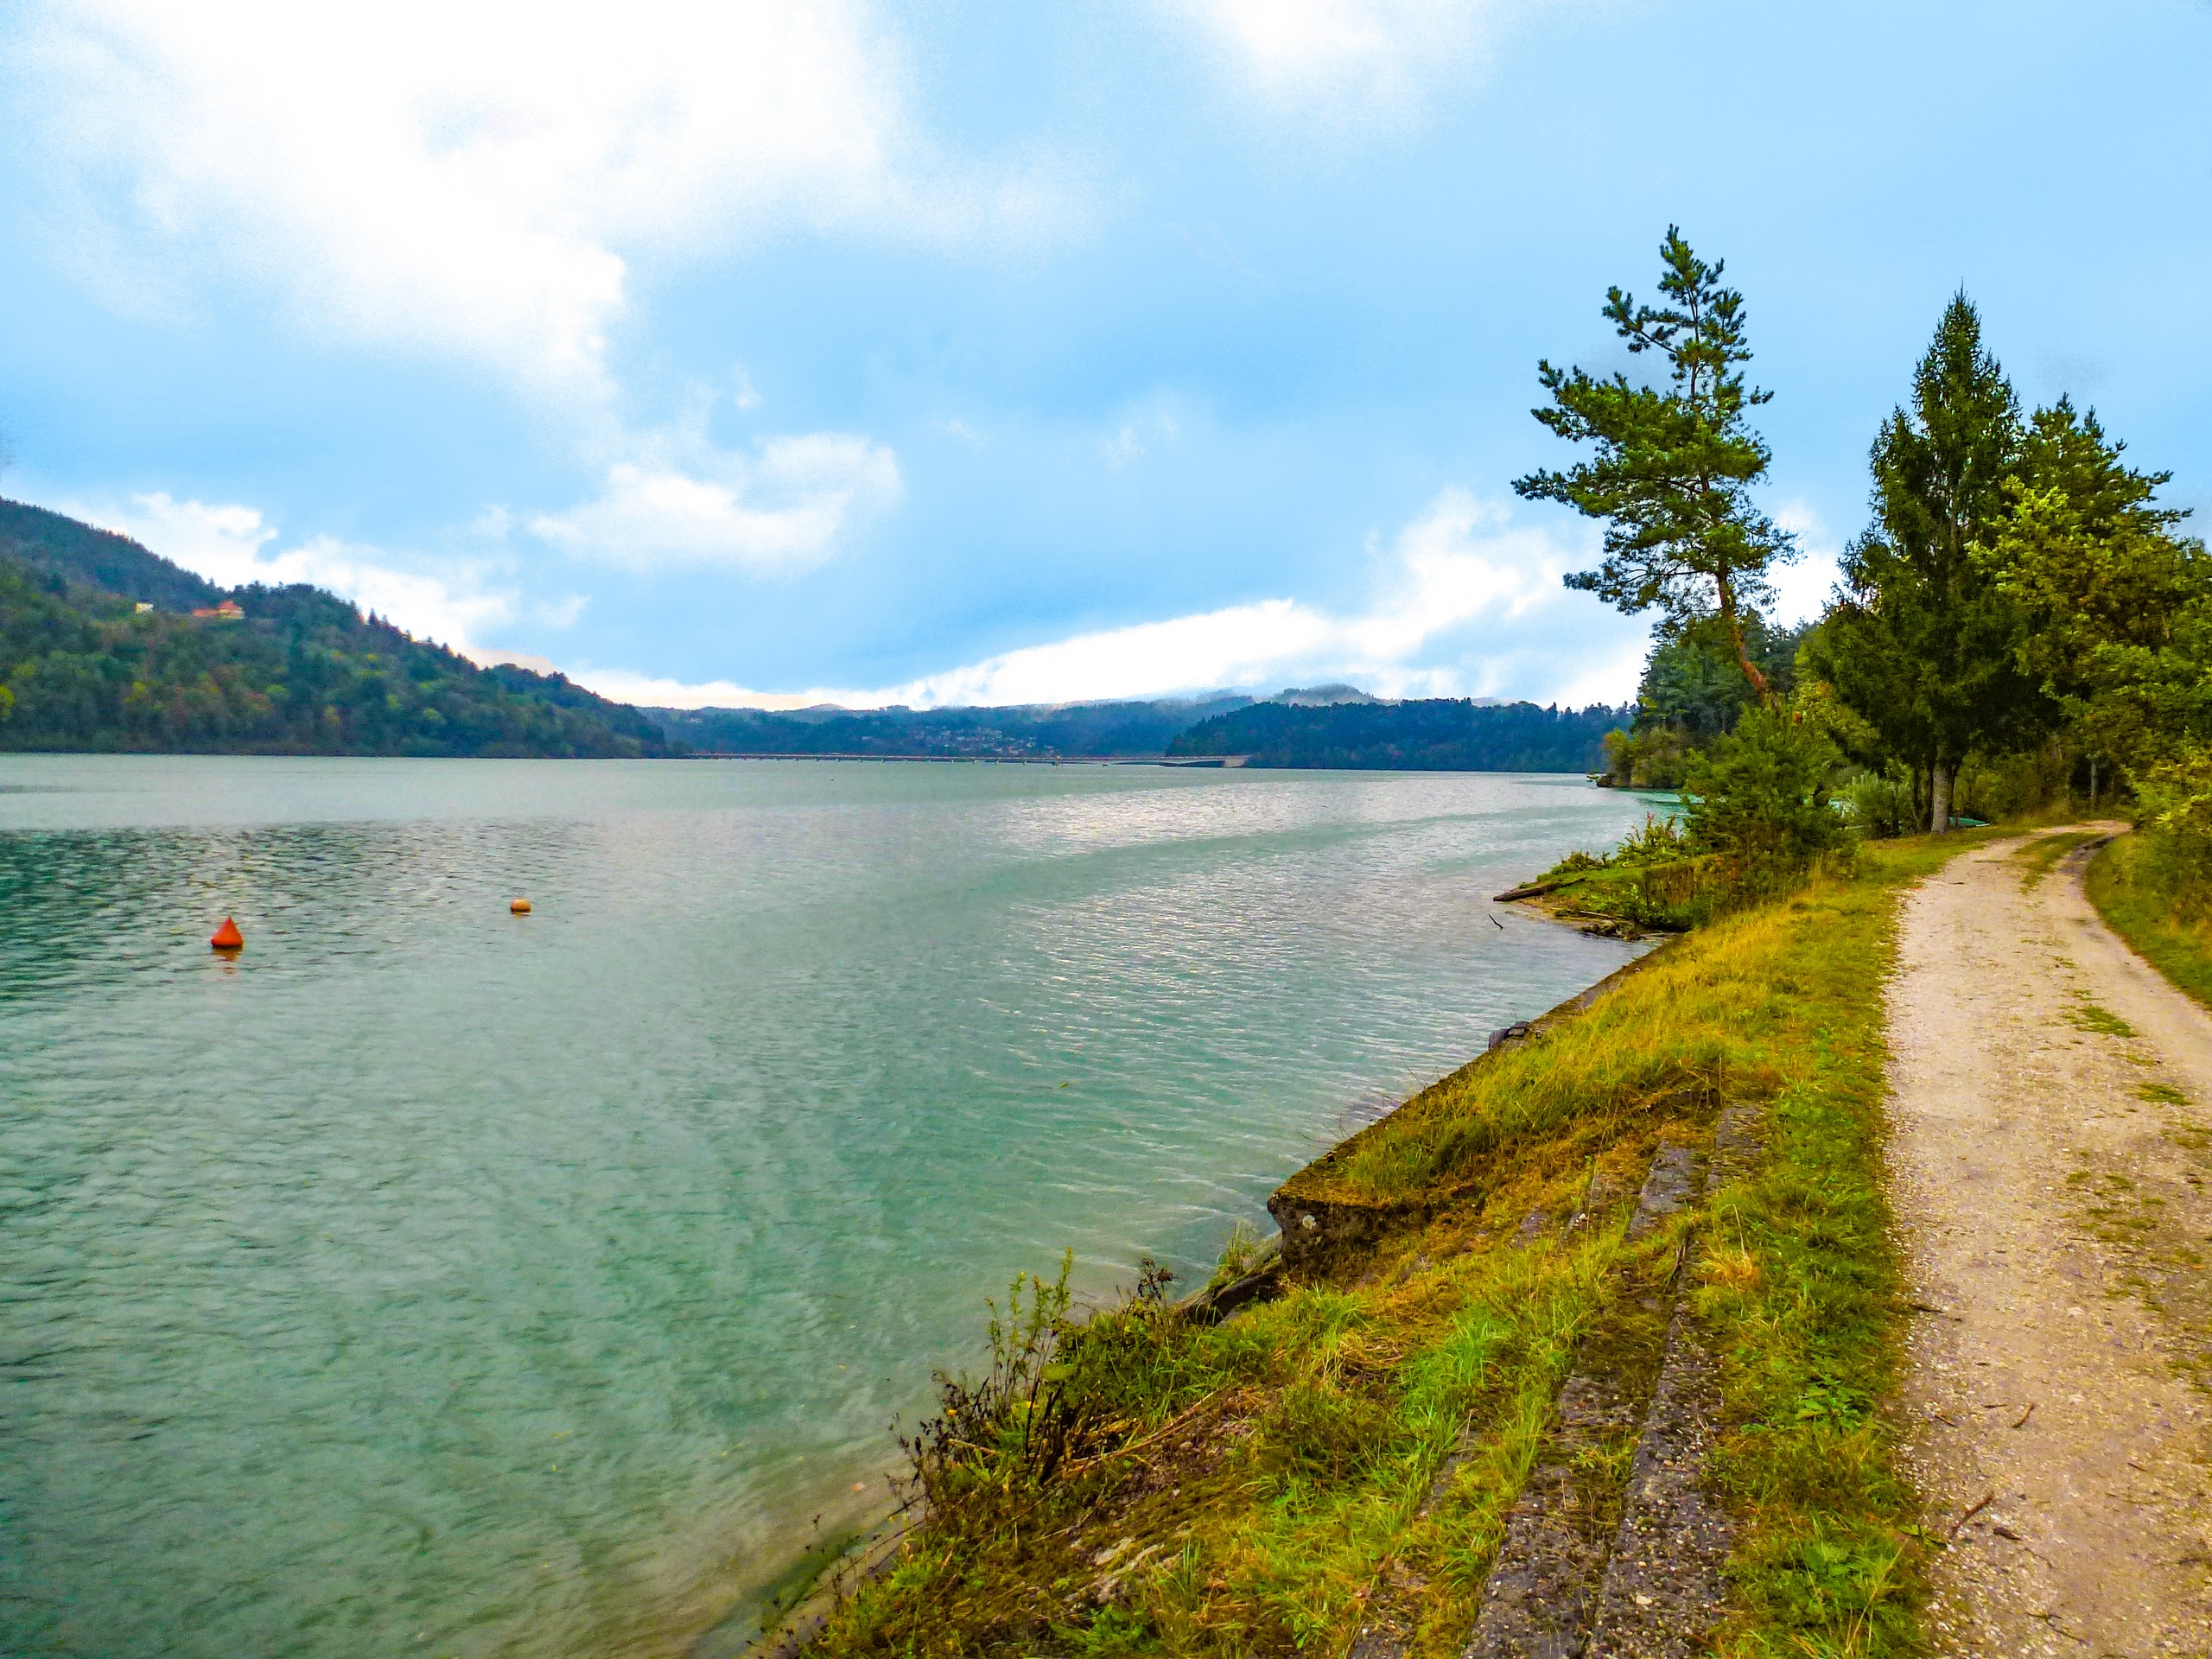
(2067, 450)
(1692, 692)
(1883, 803)
(1438, 735)
(1693, 687)
(1040, 731)
(1761, 794)
(301, 672)
(1924, 645)
(2118, 625)
(1674, 466)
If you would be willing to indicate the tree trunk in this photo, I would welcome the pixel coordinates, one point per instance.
(2093, 782)
(1735, 626)
(1939, 789)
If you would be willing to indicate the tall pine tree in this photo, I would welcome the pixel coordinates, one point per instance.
(1923, 642)
(1675, 464)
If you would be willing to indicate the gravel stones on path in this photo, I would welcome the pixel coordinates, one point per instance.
(2049, 1155)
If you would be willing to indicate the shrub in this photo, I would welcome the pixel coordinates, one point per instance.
(1660, 841)
(1760, 795)
(2174, 817)
(1883, 805)
(1653, 758)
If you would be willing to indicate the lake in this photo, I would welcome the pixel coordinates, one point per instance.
(430, 1280)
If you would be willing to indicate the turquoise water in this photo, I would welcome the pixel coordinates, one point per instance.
(433, 1280)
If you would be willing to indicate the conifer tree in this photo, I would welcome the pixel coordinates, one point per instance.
(1675, 464)
(1923, 642)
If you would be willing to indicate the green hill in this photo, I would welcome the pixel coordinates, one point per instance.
(1434, 735)
(101, 649)
(1031, 732)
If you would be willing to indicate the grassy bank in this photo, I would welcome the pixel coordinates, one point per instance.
(2142, 912)
(1143, 1481)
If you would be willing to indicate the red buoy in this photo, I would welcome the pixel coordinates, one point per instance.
(227, 936)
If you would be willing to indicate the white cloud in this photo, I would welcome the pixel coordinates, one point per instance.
(1368, 57)
(478, 175)
(657, 691)
(1464, 604)
(230, 545)
(1135, 438)
(1801, 588)
(677, 500)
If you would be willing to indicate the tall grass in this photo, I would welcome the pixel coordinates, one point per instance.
(2149, 908)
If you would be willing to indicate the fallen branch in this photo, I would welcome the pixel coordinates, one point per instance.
(1988, 1498)
(1537, 889)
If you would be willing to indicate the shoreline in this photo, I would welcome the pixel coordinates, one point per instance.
(1194, 763)
(1650, 1221)
(1319, 1231)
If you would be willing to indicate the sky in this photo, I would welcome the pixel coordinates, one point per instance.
(774, 353)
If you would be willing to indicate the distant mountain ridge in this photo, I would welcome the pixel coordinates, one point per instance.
(1429, 735)
(1322, 696)
(106, 645)
(100, 650)
(1339, 726)
(1035, 731)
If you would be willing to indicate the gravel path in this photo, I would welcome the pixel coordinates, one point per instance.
(2049, 1156)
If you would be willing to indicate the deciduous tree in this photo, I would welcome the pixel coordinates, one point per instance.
(2105, 589)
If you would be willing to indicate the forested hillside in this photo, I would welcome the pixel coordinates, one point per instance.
(105, 645)
(1438, 735)
(1038, 731)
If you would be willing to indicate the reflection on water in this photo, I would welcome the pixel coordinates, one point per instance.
(431, 1280)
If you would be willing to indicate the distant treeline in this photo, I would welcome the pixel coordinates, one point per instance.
(1038, 731)
(106, 645)
(1438, 735)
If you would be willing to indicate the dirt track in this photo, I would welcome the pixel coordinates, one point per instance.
(2048, 1174)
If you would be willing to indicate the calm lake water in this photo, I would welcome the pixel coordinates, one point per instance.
(432, 1280)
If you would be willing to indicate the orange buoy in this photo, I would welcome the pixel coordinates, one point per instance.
(520, 906)
(227, 936)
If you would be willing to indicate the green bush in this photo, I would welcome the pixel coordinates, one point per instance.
(1995, 786)
(1652, 757)
(1761, 794)
(1881, 805)
(1660, 841)
(2174, 817)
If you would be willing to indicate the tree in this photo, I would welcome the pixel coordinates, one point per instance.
(1923, 643)
(1761, 793)
(2104, 587)
(1675, 465)
(1692, 692)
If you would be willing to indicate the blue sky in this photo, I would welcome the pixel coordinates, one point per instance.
(726, 352)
